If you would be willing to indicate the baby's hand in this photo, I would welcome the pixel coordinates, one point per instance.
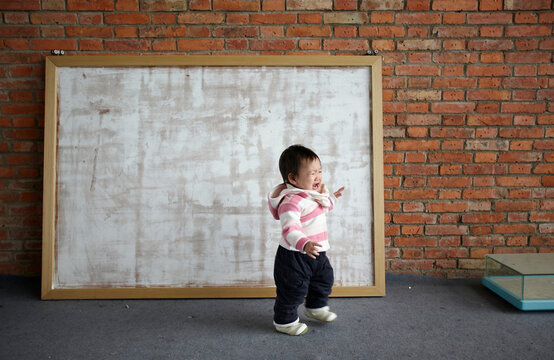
(322, 189)
(310, 249)
(338, 193)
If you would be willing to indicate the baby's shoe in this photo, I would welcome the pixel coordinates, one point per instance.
(294, 329)
(321, 314)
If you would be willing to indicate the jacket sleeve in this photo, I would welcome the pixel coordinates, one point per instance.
(289, 215)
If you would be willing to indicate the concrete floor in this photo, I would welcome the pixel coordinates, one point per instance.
(419, 318)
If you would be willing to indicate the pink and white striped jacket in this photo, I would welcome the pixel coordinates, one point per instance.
(302, 216)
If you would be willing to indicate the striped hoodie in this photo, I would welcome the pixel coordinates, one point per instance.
(302, 216)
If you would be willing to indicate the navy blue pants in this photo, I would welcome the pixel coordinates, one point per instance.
(297, 276)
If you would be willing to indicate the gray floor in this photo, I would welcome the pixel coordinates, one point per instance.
(434, 319)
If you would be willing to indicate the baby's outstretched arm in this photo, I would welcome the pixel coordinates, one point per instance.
(338, 193)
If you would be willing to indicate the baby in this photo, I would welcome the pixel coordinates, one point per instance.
(301, 265)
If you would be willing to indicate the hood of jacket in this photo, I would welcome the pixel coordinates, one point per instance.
(279, 192)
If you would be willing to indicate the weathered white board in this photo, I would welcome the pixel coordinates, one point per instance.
(162, 173)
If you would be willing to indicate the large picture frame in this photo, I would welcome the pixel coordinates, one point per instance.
(157, 170)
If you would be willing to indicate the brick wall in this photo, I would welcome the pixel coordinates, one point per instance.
(468, 112)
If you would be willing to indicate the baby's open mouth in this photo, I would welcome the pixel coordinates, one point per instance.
(315, 186)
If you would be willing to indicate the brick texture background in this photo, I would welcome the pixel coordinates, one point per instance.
(467, 90)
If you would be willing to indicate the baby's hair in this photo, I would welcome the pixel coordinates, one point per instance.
(291, 159)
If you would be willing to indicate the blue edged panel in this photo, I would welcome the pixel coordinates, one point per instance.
(525, 305)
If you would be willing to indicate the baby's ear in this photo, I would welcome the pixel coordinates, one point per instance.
(291, 178)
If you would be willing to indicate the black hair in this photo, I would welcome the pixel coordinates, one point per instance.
(291, 160)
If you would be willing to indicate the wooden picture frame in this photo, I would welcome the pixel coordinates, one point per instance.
(102, 236)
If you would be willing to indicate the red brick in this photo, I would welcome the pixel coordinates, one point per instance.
(208, 45)
(483, 193)
(492, 70)
(416, 169)
(201, 5)
(482, 218)
(309, 44)
(453, 107)
(381, 31)
(514, 229)
(370, 5)
(489, 44)
(418, 70)
(489, 18)
(21, 109)
(273, 18)
(412, 253)
(418, 18)
(241, 44)
(90, 45)
(237, 18)
(446, 230)
(200, 18)
(522, 133)
(519, 157)
(259, 45)
(419, 145)
(527, 5)
(450, 157)
(447, 182)
(127, 19)
(53, 18)
(414, 219)
(236, 5)
(415, 194)
(126, 32)
(523, 107)
(547, 181)
(90, 19)
(411, 264)
(127, 45)
(488, 5)
(419, 119)
(459, 5)
(489, 120)
(547, 240)
(92, 5)
(273, 31)
(542, 217)
(19, 31)
(235, 31)
(516, 181)
(163, 5)
(88, 31)
(351, 45)
(447, 206)
(127, 5)
(414, 241)
(345, 18)
(515, 205)
(309, 18)
(163, 45)
(528, 58)
(544, 169)
(165, 19)
(544, 145)
(455, 31)
(20, 5)
(382, 18)
(308, 31)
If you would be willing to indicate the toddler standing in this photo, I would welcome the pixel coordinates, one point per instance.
(301, 268)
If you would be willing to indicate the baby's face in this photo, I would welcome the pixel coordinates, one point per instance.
(309, 175)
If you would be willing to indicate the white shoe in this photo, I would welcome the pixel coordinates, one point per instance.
(295, 329)
(322, 314)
